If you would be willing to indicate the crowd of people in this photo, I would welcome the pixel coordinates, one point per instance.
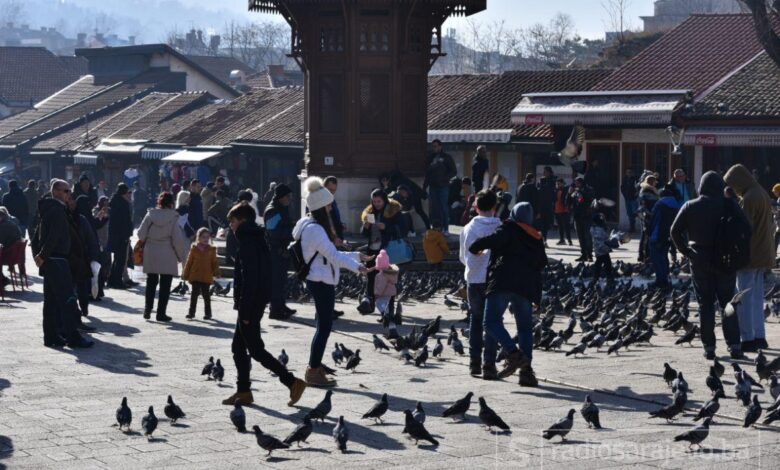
(502, 246)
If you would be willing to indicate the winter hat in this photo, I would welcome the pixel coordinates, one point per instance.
(382, 260)
(318, 196)
(281, 190)
(523, 213)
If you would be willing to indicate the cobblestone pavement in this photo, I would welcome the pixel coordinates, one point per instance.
(57, 407)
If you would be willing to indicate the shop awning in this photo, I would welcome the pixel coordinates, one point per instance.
(603, 108)
(191, 156)
(85, 159)
(477, 135)
(733, 136)
(124, 146)
(157, 153)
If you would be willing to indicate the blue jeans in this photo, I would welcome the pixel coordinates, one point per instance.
(439, 207)
(324, 303)
(477, 337)
(632, 205)
(659, 255)
(495, 306)
(751, 311)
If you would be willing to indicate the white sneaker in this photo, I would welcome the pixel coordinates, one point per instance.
(412, 234)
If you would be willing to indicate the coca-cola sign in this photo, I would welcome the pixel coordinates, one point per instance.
(534, 119)
(706, 140)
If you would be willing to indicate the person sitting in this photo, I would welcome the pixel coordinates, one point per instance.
(435, 246)
(9, 234)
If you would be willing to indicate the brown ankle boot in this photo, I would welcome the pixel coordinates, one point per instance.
(296, 391)
(514, 361)
(316, 378)
(528, 377)
(246, 398)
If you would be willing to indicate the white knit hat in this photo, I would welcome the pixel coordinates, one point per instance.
(318, 196)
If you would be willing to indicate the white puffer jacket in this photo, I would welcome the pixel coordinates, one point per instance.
(329, 259)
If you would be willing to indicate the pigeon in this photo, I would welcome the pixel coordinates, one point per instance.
(353, 361)
(238, 417)
(450, 303)
(561, 427)
(695, 436)
(380, 345)
(149, 423)
(578, 349)
(378, 410)
(300, 433)
(322, 409)
(268, 442)
(346, 352)
(669, 374)
(688, 337)
(745, 376)
(416, 429)
(731, 307)
(283, 358)
(123, 415)
(457, 346)
(489, 417)
(774, 387)
(590, 412)
(218, 372)
(772, 417)
(419, 413)
(438, 349)
(712, 381)
(337, 355)
(208, 368)
(753, 413)
(709, 409)
(573, 146)
(668, 412)
(422, 357)
(172, 411)
(341, 435)
(459, 408)
(680, 383)
(718, 367)
(615, 348)
(742, 389)
(433, 326)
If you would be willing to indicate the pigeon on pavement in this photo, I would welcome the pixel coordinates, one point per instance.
(284, 358)
(590, 412)
(353, 361)
(438, 349)
(123, 415)
(459, 408)
(753, 413)
(322, 409)
(669, 374)
(416, 430)
(238, 417)
(207, 368)
(380, 345)
(300, 433)
(218, 372)
(337, 355)
(489, 417)
(695, 436)
(172, 411)
(709, 409)
(378, 410)
(341, 435)
(561, 427)
(268, 442)
(149, 423)
(419, 413)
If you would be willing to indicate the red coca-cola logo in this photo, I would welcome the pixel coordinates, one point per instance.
(706, 140)
(534, 119)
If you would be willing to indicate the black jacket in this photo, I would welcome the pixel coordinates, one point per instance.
(517, 259)
(78, 256)
(629, 188)
(479, 166)
(547, 194)
(120, 225)
(196, 212)
(252, 275)
(278, 226)
(51, 238)
(91, 193)
(16, 203)
(440, 170)
(581, 200)
(528, 192)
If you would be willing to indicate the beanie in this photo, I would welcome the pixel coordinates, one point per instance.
(382, 260)
(318, 196)
(281, 190)
(523, 212)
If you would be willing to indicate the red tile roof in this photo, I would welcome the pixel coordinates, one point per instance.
(693, 56)
(30, 74)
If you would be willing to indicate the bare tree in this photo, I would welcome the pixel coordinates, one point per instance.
(12, 11)
(618, 18)
(766, 13)
(552, 43)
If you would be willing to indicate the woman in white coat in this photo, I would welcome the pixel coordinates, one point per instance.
(317, 235)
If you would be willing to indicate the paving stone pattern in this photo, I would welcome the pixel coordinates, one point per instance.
(57, 406)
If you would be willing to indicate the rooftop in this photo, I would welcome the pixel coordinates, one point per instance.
(30, 74)
(220, 67)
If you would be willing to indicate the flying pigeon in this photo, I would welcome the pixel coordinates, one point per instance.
(573, 147)
(731, 307)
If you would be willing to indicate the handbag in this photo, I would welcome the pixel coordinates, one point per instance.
(138, 253)
(400, 251)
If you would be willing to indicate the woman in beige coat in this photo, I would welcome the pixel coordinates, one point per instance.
(164, 248)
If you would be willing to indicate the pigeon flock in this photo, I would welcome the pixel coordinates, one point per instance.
(577, 317)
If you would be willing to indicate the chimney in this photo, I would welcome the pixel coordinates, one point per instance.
(215, 41)
(81, 40)
(200, 36)
(276, 70)
(99, 36)
(131, 40)
(237, 78)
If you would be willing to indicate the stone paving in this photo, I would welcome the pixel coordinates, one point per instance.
(57, 407)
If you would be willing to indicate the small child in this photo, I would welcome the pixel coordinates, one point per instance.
(201, 268)
(435, 246)
(601, 247)
(385, 289)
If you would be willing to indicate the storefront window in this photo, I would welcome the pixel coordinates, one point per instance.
(331, 110)
(658, 160)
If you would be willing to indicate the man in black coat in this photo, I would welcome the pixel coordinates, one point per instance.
(528, 192)
(16, 203)
(440, 170)
(51, 246)
(516, 252)
(120, 229)
(85, 188)
(547, 201)
(479, 166)
(251, 294)
(278, 228)
(581, 198)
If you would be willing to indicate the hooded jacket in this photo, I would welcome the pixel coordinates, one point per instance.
(517, 258)
(390, 216)
(758, 209)
(252, 273)
(202, 265)
(164, 243)
(698, 220)
(327, 266)
(476, 265)
(16, 203)
(435, 246)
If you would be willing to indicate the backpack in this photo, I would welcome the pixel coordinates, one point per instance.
(732, 240)
(300, 265)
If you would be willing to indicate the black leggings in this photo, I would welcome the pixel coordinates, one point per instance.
(247, 345)
(200, 289)
(165, 281)
(564, 226)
